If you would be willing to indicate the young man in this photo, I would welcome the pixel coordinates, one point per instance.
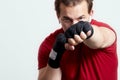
(83, 49)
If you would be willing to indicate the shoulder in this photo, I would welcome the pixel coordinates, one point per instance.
(52, 36)
(49, 40)
(101, 24)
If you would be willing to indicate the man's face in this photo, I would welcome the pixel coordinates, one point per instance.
(70, 15)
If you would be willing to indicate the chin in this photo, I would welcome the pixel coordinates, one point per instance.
(64, 29)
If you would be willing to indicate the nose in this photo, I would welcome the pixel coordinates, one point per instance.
(75, 21)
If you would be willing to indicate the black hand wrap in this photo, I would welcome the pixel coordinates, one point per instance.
(57, 51)
(77, 28)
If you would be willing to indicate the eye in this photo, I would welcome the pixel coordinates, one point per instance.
(66, 20)
(80, 18)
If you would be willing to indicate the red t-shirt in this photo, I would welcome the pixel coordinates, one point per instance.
(83, 63)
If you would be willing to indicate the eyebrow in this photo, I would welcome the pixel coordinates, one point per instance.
(65, 17)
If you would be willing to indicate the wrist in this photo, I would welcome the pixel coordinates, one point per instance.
(54, 59)
(91, 33)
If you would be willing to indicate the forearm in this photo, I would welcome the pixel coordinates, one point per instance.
(50, 74)
(102, 37)
(96, 39)
(52, 70)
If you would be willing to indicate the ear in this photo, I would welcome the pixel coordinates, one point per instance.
(91, 13)
(58, 17)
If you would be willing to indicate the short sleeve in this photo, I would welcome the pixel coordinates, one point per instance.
(43, 53)
(45, 48)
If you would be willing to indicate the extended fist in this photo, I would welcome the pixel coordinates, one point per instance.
(78, 32)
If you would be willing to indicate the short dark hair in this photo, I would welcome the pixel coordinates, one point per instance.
(71, 3)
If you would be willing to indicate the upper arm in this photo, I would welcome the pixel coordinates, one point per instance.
(108, 36)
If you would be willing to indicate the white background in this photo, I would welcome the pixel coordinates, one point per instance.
(25, 23)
